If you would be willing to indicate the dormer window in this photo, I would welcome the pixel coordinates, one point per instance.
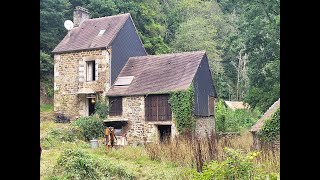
(90, 74)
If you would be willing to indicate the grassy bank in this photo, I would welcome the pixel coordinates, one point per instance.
(133, 160)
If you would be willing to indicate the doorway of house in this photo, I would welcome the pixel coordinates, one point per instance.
(91, 104)
(164, 132)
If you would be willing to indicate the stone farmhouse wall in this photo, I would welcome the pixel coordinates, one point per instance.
(69, 78)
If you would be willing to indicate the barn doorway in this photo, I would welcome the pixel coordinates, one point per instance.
(120, 130)
(164, 132)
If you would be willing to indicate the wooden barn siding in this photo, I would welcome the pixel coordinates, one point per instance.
(203, 87)
(126, 44)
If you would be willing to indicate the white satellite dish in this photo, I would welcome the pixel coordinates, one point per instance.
(68, 25)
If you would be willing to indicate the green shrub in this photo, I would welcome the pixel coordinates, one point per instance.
(271, 128)
(236, 166)
(78, 164)
(91, 126)
(228, 120)
(101, 109)
(58, 135)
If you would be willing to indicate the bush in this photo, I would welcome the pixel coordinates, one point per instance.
(228, 120)
(77, 164)
(91, 127)
(236, 166)
(101, 109)
(58, 135)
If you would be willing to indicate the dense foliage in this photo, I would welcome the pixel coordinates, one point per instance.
(271, 128)
(241, 38)
(228, 120)
(91, 126)
(181, 103)
(236, 166)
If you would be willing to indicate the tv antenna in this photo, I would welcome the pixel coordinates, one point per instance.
(68, 25)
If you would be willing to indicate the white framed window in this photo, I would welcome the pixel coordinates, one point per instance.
(90, 71)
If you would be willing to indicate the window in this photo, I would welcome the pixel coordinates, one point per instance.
(115, 104)
(91, 69)
(211, 105)
(157, 108)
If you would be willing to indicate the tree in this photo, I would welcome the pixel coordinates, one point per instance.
(53, 13)
(149, 20)
(259, 25)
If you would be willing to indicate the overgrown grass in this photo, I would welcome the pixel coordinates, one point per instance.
(129, 162)
(46, 108)
(188, 152)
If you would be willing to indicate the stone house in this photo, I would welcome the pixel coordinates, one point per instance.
(89, 59)
(104, 57)
(257, 143)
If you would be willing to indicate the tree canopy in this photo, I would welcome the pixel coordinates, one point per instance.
(241, 38)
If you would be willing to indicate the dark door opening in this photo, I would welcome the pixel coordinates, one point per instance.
(164, 132)
(91, 103)
(119, 126)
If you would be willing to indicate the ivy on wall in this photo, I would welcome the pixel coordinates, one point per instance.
(270, 131)
(181, 103)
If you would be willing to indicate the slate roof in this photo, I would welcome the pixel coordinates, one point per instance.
(157, 74)
(266, 115)
(86, 35)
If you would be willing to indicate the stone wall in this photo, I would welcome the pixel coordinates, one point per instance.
(69, 78)
(139, 130)
(133, 112)
(205, 124)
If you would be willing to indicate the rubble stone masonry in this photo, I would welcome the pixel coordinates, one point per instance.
(69, 78)
(205, 124)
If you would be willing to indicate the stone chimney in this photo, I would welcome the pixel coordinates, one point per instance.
(79, 15)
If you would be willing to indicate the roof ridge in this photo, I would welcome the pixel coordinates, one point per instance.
(108, 16)
(171, 54)
(273, 105)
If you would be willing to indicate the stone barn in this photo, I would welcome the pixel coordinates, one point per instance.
(141, 92)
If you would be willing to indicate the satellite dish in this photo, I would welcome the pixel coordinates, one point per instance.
(68, 25)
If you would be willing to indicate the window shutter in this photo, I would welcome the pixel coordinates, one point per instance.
(81, 71)
(96, 70)
(211, 105)
(157, 108)
(115, 104)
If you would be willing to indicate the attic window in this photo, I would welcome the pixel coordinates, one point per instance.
(101, 32)
(124, 81)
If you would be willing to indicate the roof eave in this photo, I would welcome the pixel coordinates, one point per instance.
(145, 94)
